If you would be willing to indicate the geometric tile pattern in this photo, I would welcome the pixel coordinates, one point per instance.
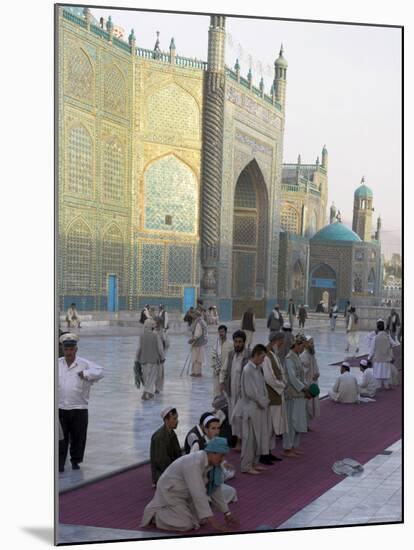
(170, 190)
(113, 172)
(80, 162)
(245, 194)
(114, 91)
(245, 230)
(289, 220)
(172, 111)
(112, 256)
(152, 275)
(244, 276)
(180, 263)
(78, 257)
(79, 75)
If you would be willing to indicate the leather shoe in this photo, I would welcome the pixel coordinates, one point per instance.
(274, 458)
(75, 466)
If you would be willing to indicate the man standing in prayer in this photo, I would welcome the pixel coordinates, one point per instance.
(165, 447)
(275, 319)
(333, 315)
(284, 349)
(221, 349)
(255, 403)
(310, 366)
(295, 394)
(345, 389)
(72, 317)
(291, 310)
(186, 488)
(198, 341)
(248, 325)
(302, 315)
(352, 331)
(150, 354)
(276, 382)
(162, 318)
(369, 384)
(159, 382)
(381, 355)
(76, 375)
(229, 379)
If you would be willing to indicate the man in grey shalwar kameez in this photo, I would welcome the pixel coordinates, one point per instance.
(150, 354)
(185, 489)
(312, 374)
(255, 403)
(295, 393)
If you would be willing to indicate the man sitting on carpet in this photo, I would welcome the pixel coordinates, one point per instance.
(165, 447)
(369, 384)
(345, 389)
(184, 491)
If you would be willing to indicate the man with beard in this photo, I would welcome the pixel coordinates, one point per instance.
(229, 379)
(312, 374)
(221, 349)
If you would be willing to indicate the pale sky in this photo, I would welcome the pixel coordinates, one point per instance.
(343, 90)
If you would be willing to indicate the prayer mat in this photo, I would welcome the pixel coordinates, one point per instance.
(358, 431)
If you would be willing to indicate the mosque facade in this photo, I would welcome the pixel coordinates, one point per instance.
(171, 184)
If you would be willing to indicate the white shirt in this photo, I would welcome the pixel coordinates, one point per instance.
(73, 391)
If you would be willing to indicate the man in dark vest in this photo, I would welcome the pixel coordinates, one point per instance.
(229, 379)
(165, 447)
(275, 319)
(196, 434)
(275, 383)
(248, 325)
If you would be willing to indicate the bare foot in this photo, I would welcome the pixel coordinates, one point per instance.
(252, 471)
(288, 453)
(259, 468)
(297, 452)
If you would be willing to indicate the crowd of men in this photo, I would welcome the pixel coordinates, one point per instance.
(264, 398)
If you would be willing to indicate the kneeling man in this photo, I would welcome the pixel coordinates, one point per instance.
(184, 491)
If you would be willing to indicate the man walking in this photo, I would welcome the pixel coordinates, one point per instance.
(248, 325)
(333, 315)
(76, 375)
(221, 349)
(352, 331)
(393, 322)
(275, 320)
(291, 312)
(198, 341)
(150, 354)
(302, 315)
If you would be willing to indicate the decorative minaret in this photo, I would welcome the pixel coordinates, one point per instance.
(212, 156)
(378, 231)
(173, 51)
(157, 49)
(132, 41)
(325, 157)
(280, 78)
(110, 28)
(88, 16)
(362, 218)
(237, 69)
(332, 213)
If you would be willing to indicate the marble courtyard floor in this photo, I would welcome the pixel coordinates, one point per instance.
(120, 425)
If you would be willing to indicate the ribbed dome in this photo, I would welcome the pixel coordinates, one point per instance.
(336, 231)
(363, 192)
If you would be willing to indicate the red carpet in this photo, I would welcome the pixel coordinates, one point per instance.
(343, 431)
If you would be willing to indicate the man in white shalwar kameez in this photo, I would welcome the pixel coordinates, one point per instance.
(221, 349)
(255, 403)
(368, 385)
(381, 355)
(276, 382)
(186, 488)
(345, 389)
(296, 393)
(72, 317)
(198, 341)
(229, 379)
(312, 374)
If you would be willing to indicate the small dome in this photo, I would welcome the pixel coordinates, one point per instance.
(281, 61)
(363, 192)
(336, 231)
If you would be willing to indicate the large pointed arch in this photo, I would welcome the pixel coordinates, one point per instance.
(112, 255)
(250, 230)
(78, 258)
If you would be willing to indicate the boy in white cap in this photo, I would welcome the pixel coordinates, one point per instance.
(369, 384)
(345, 389)
(165, 447)
(76, 375)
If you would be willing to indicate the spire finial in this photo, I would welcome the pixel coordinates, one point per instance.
(281, 50)
(157, 42)
(338, 216)
(172, 44)
(363, 180)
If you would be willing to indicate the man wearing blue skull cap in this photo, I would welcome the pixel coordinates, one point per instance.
(186, 489)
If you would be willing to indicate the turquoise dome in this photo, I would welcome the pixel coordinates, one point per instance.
(336, 231)
(363, 192)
